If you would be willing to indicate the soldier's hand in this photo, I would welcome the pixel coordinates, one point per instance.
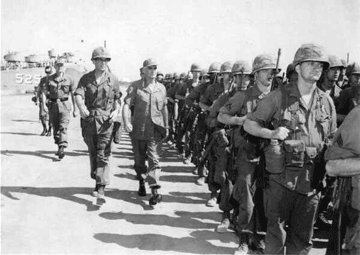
(74, 114)
(112, 116)
(280, 133)
(128, 127)
(84, 113)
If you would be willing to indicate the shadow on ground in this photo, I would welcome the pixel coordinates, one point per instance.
(197, 243)
(42, 154)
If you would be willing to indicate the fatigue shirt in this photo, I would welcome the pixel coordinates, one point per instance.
(60, 87)
(212, 93)
(194, 97)
(148, 106)
(217, 105)
(314, 121)
(348, 99)
(239, 106)
(346, 145)
(334, 93)
(99, 100)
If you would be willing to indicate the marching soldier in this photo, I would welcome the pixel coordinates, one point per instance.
(248, 151)
(97, 97)
(193, 100)
(349, 97)
(60, 87)
(299, 119)
(206, 101)
(149, 126)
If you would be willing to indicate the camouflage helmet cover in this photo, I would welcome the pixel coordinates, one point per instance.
(353, 68)
(311, 52)
(335, 62)
(195, 67)
(241, 66)
(226, 67)
(100, 52)
(264, 61)
(214, 67)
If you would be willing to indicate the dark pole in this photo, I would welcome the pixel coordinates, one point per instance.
(105, 44)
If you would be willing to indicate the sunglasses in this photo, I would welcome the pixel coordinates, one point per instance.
(60, 64)
(152, 67)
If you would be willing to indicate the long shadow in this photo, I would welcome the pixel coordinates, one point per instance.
(198, 243)
(25, 121)
(185, 221)
(132, 196)
(41, 154)
(178, 169)
(178, 178)
(68, 193)
(20, 133)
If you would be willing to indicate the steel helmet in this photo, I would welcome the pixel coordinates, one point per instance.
(263, 62)
(176, 76)
(226, 67)
(241, 66)
(311, 52)
(335, 62)
(353, 68)
(195, 68)
(289, 70)
(100, 52)
(214, 67)
(182, 76)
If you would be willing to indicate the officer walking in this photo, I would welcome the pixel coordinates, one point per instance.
(60, 87)
(97, 97)
(299, 119)
(248, 154)
(148, 127)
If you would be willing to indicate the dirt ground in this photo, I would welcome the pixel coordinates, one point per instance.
(46, 206)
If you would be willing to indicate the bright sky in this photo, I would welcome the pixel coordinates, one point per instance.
(178, 33)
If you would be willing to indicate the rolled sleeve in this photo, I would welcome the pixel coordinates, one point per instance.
(80, 90)
(266, 109)
(129, 99)
(234, 105)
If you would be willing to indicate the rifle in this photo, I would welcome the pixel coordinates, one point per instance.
(207, 151)
(341, 197)
(274, 84)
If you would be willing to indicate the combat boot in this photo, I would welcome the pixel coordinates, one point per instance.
(225, 223)
(95, 192)
(43, 132)
(61, 152)
(142, 189)
(155, 197)
(243, 245)
(48, 132)
(213, 199)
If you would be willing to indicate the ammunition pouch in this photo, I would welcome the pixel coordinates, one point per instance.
(274, 158)
(294, 153)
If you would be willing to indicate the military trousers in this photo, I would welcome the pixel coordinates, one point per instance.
(150, 173)
(99, 146)
(60, 119)
(298, 210)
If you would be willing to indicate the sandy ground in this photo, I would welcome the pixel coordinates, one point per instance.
(46, 205)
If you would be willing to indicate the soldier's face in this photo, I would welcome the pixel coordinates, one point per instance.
(242, 82)
(310, 71)
(160, 78)
(355, 80)
(150, 72)
(265, 77)
(60, 68)
(195, 75)
(226, 77)
(333, 73)
(101, 63)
